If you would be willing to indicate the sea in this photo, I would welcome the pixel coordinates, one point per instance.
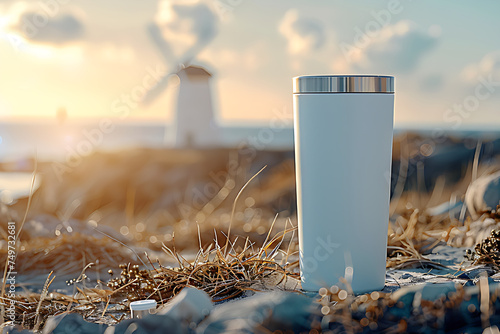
(22, 141)
(47, 140)
(54, 141)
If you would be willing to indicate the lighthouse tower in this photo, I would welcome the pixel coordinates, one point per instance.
(195, 123)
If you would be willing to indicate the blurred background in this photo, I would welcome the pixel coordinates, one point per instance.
(145, 118)
(75, 62)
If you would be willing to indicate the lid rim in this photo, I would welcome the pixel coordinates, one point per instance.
(343, 84)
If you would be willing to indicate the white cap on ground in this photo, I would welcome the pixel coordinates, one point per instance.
(143, 305)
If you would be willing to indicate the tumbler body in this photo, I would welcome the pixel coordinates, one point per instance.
(343, 149)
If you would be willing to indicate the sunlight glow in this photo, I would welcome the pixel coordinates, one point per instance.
(68, 139)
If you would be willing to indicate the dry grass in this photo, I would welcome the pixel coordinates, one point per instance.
(226, 268)
(68, 254)
(414, 231)
(456, 312)
(222, 276)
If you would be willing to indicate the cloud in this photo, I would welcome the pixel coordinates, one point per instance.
(392, 48)
(249, 58)
(187, 26)
(303, 34)
(488, 66)
(39, 23)
(431, 83)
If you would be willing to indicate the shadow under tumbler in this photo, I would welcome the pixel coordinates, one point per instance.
(343, 148)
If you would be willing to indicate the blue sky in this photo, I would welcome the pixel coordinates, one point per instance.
(86, 54)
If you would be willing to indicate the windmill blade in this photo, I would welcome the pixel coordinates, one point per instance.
(166, 51)
(192, 53)
(171, 60)
(160, 42)
(154, 92)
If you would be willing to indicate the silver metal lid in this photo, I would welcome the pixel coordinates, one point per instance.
(343, 84)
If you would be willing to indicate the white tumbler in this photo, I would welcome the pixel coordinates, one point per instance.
(343, 148)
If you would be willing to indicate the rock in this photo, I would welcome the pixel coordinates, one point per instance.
(429, 291)
(411, 296)
(476, 271)
(14, 329)
(181, 315)
(151, 324)
(406, 276)
(190, 306)
(483, 194)
(71, 323)
(269, 311)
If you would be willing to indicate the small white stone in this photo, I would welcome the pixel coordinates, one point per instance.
(190, 305)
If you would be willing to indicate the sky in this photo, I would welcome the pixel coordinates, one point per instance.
(87, 56)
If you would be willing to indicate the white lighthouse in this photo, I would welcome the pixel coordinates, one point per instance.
(195, 124)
